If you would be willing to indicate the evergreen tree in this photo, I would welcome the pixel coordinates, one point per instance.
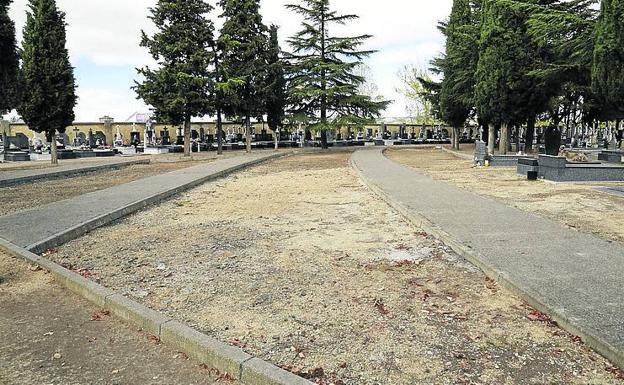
(243, 43)
(500, 72)
(560, 58)
(9, 61)
(324, 85)
(48, 85)
(276, 83)
(180, 88)
(458, 67)
(607, 73)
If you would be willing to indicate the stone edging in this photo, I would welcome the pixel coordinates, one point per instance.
(102, 220)
(59, 174)
(207, 350)
(532, 298)
(458, 154)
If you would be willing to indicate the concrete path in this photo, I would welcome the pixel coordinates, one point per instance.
(576, 278)
(44, 227)
(10, 178)
(50, 336)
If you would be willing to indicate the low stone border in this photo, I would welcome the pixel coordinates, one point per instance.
(77, 231)
(458, 154)
(207, 350)
(532, 298)
(60, 174)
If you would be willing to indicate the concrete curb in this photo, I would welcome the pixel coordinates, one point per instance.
(77, 231)
(60, 174)
(531, 297)
(458, 154)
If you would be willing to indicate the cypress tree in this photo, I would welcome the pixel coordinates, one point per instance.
(48, 86)
(499, 73)
(9, 61)
(458, 67)
(244, 43)
(180, 88)
(276, 83)
(324, 85)
(607, 73)
(558, 58)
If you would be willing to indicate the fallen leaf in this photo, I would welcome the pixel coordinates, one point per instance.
(381, 307)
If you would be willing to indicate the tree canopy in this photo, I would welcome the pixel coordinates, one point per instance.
(9, 61)
(180, 87)
(324, 84)
(47, 77)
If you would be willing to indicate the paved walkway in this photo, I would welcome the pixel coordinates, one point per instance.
(44, 227)
(49, 336)
(576, 278)
(9, 178)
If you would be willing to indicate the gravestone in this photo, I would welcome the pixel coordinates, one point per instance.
(481, 153)
(63, 139)
(81, 139)
(165, 138)
(135, 138)
(17, 142)
(100, 138)
(613, 145)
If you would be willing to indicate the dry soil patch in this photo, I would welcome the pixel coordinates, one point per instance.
(297, 262)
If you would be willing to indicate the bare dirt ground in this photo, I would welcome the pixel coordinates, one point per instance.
(29, 195)
(50, 336)
(575, 205)
(298, 263)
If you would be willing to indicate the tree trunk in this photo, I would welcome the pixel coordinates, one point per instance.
(277, 135)
(504, 140)
(187, 137)
(248, 133)
(530, 135)
(324, 140)
(491, 138)
(219, 133)
(53, 150)
(485, 132)
(5, 144)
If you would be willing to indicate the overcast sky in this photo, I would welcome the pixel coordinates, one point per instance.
(103, 41)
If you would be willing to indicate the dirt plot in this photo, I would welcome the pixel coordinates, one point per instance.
(575, 205)
(50, 336)
(297, 262)
(30, 195)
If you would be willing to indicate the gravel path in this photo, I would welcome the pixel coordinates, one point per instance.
(300, 264)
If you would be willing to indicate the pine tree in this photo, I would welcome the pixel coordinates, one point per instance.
(180, 88)
(458, 67)
(276, 83)
(324, 85)
(607, 73)
(9, 61)
(48, 85)
(243, 43)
